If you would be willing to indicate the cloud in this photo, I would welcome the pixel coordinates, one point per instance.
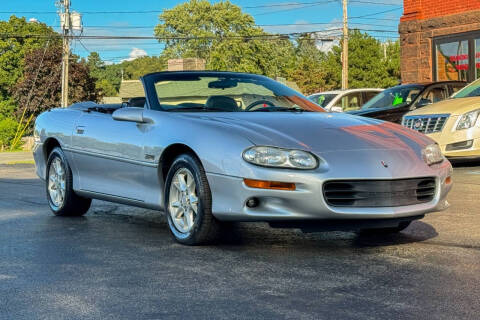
(33, 20)
(135, 53)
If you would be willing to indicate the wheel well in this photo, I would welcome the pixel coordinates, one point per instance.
(169, 155)
(48, 146)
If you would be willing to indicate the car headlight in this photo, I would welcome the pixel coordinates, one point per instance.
(432, 154)
(282, 158)
(467, 120)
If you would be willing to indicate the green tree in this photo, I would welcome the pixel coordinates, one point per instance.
(367, 64)
(136, 68)
(308, 72)
(224, 36)
(14, 49)
(107, 79)
(46, 92)
(8, 128)
(392, 62)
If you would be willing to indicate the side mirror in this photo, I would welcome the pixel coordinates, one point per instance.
(336, 109)
(423, 102)
(131, 114)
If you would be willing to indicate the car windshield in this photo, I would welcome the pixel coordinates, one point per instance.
(394, 97)
(472, 90)
(224, 92)
(322, 99)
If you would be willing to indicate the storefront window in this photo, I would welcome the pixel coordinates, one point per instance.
(452, 60)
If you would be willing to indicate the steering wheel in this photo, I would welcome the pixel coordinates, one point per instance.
(256, 103)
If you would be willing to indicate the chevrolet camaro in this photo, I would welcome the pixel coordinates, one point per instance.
(209, 148)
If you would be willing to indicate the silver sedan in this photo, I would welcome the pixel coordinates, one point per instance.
(209, 148)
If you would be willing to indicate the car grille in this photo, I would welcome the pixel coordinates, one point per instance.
(379, 193)
(426, 124)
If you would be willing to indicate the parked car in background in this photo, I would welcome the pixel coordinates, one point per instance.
(391, 104)
(344, 100)
(454, 123)
(213, 147)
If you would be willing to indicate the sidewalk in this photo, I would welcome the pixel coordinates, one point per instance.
(16, 157)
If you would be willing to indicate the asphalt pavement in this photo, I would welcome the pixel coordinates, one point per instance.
(120, 262)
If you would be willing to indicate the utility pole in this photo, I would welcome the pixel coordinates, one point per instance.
(345, 47)
(66, 31)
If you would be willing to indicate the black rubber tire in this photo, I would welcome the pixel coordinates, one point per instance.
(206, 227)
(401, 226)
(73, 204)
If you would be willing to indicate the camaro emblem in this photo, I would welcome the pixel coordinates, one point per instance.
(418, 124)
(384, 164)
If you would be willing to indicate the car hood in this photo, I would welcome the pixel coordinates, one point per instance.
(318, 132)
(455, 106)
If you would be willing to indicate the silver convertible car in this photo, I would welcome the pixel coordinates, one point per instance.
(210, 148)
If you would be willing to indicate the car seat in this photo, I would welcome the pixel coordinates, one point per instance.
(221, 103)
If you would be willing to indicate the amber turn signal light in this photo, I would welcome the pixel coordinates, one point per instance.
(260, 184)
(448, 180)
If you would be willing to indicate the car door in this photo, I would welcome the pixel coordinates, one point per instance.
(109, 155)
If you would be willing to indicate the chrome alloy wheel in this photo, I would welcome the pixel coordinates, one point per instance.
(183, 200)
(56, 182)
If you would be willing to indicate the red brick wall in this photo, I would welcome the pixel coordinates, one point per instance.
(416, 40)
(426, 9)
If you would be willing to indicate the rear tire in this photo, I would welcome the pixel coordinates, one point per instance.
(188, 202)
(63, 201)
(401, 226)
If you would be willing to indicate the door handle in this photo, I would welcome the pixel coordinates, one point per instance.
(80, 130)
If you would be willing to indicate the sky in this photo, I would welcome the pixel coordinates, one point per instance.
(380, 19)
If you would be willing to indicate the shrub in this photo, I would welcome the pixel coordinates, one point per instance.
(8, 127)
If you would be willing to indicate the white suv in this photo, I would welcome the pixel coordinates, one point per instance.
(344, 100)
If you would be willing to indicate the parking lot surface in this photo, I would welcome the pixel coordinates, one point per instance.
(120, 262)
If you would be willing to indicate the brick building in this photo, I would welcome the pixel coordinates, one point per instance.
(440, 40)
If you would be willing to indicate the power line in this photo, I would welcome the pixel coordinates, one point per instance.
(113, 37)
(376, 13)
(259, 25)
(292, 4)
(291, 9)
(232, 37)
(376, 3)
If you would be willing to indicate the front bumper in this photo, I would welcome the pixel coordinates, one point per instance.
(230, 194)
(449, 136)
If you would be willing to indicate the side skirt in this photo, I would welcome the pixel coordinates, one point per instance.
(116, 199)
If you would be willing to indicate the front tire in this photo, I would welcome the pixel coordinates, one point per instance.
(188, 202)
(63, 201)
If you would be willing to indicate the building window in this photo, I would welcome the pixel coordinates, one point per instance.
(457, 57)
(453, 60)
